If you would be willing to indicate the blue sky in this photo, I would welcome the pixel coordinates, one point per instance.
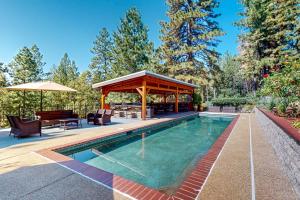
(59, 26)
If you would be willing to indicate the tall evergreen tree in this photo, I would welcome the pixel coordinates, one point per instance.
(86, 95)
(5, 103)
(27, 65)
(3, 79)
(65, 72)
(231, 76)
(100, 65)
(271, 33)
(189, 40)
(132, 49)
(282, 30)
(38, 58)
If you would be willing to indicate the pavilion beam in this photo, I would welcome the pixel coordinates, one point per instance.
(125, 87)
(144, 100)
(161, 89)
(167, 83)
(148, 91)
(140, 91)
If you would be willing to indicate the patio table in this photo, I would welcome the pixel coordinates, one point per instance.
(64, 122)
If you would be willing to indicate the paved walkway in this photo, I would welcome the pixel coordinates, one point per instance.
(232, 177)
(26, 175)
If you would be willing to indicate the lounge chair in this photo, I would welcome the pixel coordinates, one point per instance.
(22, 128)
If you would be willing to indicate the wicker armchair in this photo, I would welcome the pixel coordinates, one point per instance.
(90, 117)
(98, 115)
(105, 118)
(21, 128)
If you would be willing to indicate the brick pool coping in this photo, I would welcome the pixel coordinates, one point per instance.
(189, 188)
(283, 124)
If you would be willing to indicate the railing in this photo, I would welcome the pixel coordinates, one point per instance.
(29, 112)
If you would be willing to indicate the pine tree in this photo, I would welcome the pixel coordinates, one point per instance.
(189, 40)
(132, 50)
(270, 38)
(282, 29)
(271, 34)
(86, 96)
(231, 77)
(38, 58)
(100, 65)
(27, 66)
(3, 79)
(66, 73)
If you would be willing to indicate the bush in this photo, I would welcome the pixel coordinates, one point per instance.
(296, 124)
(294, 109)
(284, 84)
(271, 105)
(281, 108)
(197, 99)
(235, 101)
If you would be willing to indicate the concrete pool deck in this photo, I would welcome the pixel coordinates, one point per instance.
(231, 177)
(26, 175)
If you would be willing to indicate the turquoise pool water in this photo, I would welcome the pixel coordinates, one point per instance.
(158, 158)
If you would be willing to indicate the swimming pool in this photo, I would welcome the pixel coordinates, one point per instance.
(158, 157)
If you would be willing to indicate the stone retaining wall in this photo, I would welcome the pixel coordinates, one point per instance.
(286, 148)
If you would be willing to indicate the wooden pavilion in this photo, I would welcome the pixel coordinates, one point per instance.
(144, 83)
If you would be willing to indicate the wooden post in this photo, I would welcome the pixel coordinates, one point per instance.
(104, 94)
(176, 101)
(144, 100)
(165, 98)
(41, 103)
(102, 101)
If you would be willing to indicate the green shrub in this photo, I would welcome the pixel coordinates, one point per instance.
(197, 99)
(296, 124)
(295, 109)
(235, 101)
(281, 108)
(284, 84)
(271, 105)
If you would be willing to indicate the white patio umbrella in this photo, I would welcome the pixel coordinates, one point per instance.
(41, 86)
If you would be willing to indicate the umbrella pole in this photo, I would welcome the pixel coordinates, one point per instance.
(41, 105)
(24, 102)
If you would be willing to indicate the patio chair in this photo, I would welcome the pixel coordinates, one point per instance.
(90, 117)
(105, 119)
(121, 114)
(98, 115)
(11, 123)
(21, 128)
